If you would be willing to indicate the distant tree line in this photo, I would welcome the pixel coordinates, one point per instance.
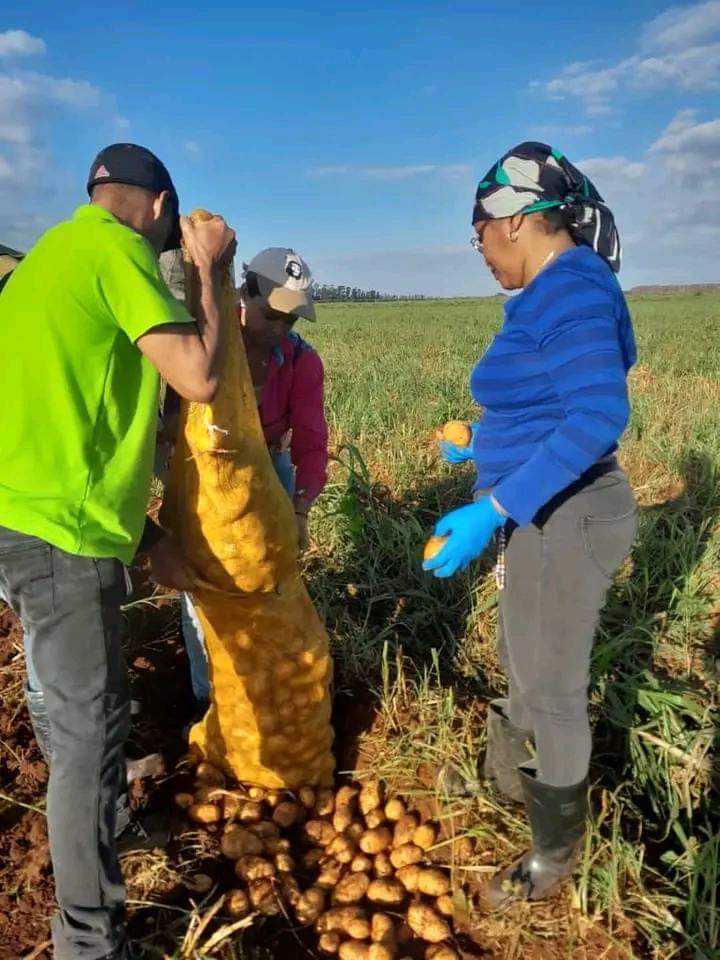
(335, 293)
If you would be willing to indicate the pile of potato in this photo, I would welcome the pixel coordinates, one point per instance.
(345, 862)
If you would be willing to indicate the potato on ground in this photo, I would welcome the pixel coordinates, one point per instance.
(209, 775)
(383, 867)
(342, 819)
(445, 905)
(290, 889)
(329, 944)
(237, 842)
(425, 836)
(375, 841)
(307, 797)
(395, 810)
(351, 889)
(378, 951)
(310, 905)
(312, 858)
(287, 814)
(426, 924)
(409, 877)
(433, 882)
(405, 856)
(237, 904)
(184, 800)
(382, 930)
(199, 883)
(355, 831)
(275, 846)
(320, 832)
(284, 863)
(386, 892)
(361, 864)
(346, 798)
(263, 897)
(353, 950)
(205, 813)
(250, 812)
(375, 818)
(405, 830)
(330, 873)
(324, 802)
(441, 951)
(370, 797)
(341, 849)
(264, 829)
(351, 921)
(254, 868)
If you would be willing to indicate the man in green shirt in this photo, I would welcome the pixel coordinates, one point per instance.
(88, 327)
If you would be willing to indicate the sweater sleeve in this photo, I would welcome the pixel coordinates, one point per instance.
(582, 355)
(309, 444)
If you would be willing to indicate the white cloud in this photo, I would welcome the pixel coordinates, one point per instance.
(690, 152)
(17, 43)
(192, 147)
(681, 27)
(619, 170)
(404, 172)
(557, 131)
(678, 49)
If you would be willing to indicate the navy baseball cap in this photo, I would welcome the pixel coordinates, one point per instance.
(138, 167)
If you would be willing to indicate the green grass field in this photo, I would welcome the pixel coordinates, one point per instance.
(648, 883)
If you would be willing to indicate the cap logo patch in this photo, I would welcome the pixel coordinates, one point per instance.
(102, 171)
(293, 269)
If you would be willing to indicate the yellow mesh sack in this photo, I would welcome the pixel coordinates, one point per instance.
(270, 668)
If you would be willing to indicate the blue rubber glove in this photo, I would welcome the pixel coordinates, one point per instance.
(468, 530)
(452, 453)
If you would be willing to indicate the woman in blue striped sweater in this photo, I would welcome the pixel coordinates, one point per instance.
(553, 385)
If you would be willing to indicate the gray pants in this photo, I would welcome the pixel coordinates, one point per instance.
(557, 573)
(70, 610)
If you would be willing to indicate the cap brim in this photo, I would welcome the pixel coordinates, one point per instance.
(297, 302)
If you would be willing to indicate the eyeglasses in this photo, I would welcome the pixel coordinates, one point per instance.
(476, 242)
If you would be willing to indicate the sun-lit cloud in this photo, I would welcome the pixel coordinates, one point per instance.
(18, 43)
(402, 172)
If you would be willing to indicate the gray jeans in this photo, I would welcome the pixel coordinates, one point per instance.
(70, 610)
(557, 574)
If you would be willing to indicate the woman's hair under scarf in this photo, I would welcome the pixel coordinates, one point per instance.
(533, 177)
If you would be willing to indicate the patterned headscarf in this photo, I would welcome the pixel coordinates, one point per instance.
(533, 177)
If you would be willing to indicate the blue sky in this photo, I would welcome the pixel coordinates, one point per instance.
(357, 134)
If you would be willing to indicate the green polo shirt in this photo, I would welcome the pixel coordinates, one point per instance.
(78, 400)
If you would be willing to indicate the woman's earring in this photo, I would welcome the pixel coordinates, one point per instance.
(512, 237)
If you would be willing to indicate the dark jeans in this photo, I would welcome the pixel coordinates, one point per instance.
(70, 610)
(557, 574)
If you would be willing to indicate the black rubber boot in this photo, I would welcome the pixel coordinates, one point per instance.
(557, 824)
(40, 723)
(507, 749)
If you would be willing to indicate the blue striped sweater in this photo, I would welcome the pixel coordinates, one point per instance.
(553, 383)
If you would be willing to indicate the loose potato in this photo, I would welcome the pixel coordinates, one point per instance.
(405, 829)
(375, 841)
(237, 904)
(351, 889)
(199, 883)
(354, 950)
(425, 836)
(342, 819)
(330, 873)
(329, 944)
(405, 856)
(250, 812)
(445, 905)
(288, 813)
(284, 863)
(264, 829)
(231, 804)
(205, 813)
(355, 831)
(346, 797)
(312, 858)
(254, 868)
(409, 877)
(320, 831)
(324, 803)
(290, 889)
(441, 951)
(237, 842)
(276, 845)
(361, 864)
(310, 905)
(386, 892)
(273, 798)
(257, 793)
(184, 800)
(382, 930)
(306, 796)
(263, 897)
(370, 797)
(382, 866)
(207, 774)
(426, 923)
(349, 920)
(378, 951)
(404, 933)
(341, 849)
(395, 810)
(433, 882)
(463, 849)
(375, 818)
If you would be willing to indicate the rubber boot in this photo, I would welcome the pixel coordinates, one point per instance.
(557, 825)
(507, 749)
(40, 722)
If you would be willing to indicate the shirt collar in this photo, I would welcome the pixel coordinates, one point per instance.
(93, 211)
